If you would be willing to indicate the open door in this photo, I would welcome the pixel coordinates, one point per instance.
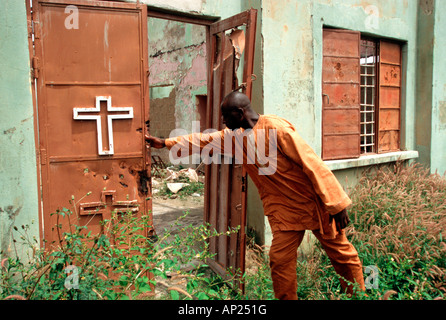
(230, 67)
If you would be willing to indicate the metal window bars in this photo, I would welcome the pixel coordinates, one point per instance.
(368, 95)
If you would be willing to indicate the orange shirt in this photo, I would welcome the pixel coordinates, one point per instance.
(297, 189)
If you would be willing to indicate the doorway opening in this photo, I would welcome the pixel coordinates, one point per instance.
(178, 94)
(193, 64)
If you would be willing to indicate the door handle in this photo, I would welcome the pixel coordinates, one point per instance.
(328, 97)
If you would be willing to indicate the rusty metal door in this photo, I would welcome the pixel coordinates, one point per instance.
(92, 95)
(231, 45)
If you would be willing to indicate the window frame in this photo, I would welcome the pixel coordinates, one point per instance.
(387, 123)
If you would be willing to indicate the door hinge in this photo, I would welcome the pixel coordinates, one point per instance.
(243, 184)
(36, 29)
(36, 67)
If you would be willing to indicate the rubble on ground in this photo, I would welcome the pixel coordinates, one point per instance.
(174, 179)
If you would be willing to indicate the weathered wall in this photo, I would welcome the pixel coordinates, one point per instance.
(438, 149)
(424, 76)
(292, 32)
(431, 85)
(177, 64)
(292, 53)
(288, 65)
(18, 175)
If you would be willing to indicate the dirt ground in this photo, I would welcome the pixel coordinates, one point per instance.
(167, 211)
(165, 214)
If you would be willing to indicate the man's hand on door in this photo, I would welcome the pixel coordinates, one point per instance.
(155, 142)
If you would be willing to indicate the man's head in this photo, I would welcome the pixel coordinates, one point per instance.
(235, 110)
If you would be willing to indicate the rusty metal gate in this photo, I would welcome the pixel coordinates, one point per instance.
(90, 62)
(225, 196)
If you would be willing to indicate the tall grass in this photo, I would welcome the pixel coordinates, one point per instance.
(398, 226)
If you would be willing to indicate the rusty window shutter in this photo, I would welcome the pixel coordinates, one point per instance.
(389, 96)
(341, 92)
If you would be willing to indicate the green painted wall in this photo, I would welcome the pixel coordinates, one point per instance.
(431, 86)
(18, 175)
(438, 149)
(292, 60)
(424, 73)
(292, 32)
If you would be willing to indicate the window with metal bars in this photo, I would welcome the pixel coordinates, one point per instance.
(361, 89)
(368, 97)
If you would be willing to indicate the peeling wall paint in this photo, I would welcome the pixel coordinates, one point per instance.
(177, 63)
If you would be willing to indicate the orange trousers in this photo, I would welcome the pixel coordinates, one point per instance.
(283, 261)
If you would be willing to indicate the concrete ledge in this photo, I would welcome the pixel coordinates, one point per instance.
(368, 160)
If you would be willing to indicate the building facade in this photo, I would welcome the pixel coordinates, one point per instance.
(362, 81)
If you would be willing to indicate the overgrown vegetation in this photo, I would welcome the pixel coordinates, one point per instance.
(122, 264)
(398, 227)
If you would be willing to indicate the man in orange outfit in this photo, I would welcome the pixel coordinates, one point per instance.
(299, 193)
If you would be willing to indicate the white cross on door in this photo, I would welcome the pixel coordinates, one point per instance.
(110, 118)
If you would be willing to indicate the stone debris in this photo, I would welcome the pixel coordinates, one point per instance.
(175, 187)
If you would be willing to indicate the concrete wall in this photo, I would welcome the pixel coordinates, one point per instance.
(177, 64)
(292, 32)
(424, 75)
(438, 149)
(292, 55)
(431, 85)
(18, 174)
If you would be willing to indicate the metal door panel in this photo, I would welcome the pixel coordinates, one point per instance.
(225, 198)
(109, 53)
(74, 137)
(100, 65)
